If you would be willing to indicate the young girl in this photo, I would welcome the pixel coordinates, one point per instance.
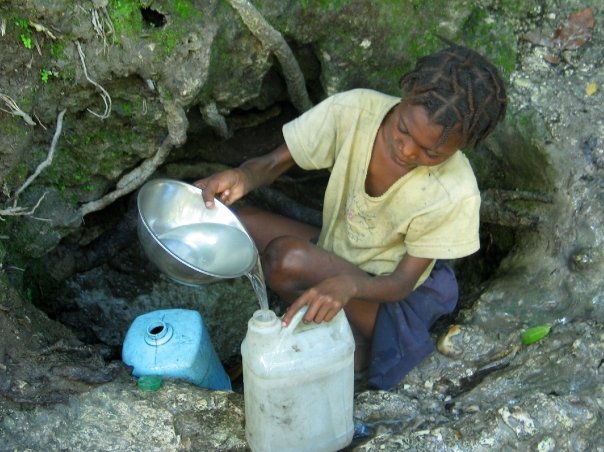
(401, 197)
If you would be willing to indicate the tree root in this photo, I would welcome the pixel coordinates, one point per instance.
(14, 109)
(275, 42)
(213, 117)
(104, 94)
(24, 211)
(101, 21)
(48, 161)
(21, 211)
(42, 29)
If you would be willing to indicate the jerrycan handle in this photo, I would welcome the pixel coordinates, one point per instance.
(295, 321)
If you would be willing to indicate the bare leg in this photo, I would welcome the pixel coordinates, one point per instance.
(265, 226)
(292, 264)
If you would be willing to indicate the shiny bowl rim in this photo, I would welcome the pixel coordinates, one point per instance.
(218, 204)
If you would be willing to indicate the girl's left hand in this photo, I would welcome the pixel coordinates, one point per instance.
(324, 300)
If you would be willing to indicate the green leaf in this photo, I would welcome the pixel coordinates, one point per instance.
(535, 333)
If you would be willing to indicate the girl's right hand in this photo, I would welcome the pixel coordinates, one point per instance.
(228, 186)
(233, 184)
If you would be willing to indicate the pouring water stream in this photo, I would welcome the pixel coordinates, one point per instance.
(218, 249)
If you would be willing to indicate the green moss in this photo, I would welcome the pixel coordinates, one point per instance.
(333, 5)
(418, 23)
(126, 108)
(182, 13)
(514, 156)
(16, 176)
(128, 22)
(220, 57)
(67, 74)
(167, 39)
(2, 250)
(11, 125)
(491, 38)
(57, 49)
(184, 9)
(87, 157)
(126, 16)
(425, 44)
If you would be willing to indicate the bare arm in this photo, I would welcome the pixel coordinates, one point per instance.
(395, 286)
(233, 184)
(333, 293)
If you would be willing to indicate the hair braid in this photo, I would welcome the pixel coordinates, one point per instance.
(461, 91)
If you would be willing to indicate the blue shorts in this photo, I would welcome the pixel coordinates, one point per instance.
(401, 338)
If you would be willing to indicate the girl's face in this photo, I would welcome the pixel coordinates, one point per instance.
(410, 137)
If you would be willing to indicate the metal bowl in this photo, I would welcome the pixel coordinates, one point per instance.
(188, 242)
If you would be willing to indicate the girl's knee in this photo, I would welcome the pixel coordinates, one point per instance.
(283, 258)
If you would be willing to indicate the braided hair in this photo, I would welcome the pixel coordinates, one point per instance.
(460, 90)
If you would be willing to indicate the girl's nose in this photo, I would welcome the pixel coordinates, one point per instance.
(409, 150)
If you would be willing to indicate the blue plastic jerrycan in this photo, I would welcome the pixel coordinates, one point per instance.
(174, 343)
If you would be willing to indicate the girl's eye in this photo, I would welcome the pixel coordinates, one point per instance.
(403, 130)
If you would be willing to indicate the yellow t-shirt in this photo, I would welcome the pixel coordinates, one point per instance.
(432, 211)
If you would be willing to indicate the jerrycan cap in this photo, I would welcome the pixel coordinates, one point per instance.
(149, 382)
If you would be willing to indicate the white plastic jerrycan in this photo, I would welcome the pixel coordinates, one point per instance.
(174, 343)
(298, 384)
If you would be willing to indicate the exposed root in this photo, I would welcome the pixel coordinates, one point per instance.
(213, 117)
(16, 210)
(101, 21)
(14, 109)
(275, 42)
(42, 29)
(46, 163)
(104, 94)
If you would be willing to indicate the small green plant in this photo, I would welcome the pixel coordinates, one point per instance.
(22, 23)
(26, 36)
(26, 40)
(45, 75)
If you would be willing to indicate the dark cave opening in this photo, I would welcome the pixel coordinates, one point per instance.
(153, 18)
